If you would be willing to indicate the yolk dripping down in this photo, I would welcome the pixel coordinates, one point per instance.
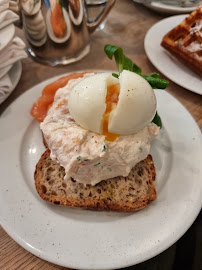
(111, 101)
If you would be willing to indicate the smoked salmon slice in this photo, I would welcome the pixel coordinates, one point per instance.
(40, 107)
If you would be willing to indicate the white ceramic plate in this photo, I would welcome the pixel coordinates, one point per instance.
(164, 61)
(84, 239)
(169, 9)
(14, 74)
(6, 35)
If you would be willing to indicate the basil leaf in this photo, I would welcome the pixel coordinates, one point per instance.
(157, 120)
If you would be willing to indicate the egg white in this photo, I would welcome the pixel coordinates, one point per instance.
(87, 101)
(135, 109)
(136, 106)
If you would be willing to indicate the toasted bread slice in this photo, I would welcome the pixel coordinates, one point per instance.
(185, 41)
(129, 193)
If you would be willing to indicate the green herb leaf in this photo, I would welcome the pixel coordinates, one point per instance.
(78, 158)
(155, 81)
(117, 52)
(115, 75)
(104, 148)
(110, 50)
(157, 120)
(129, 65)
(124, 62)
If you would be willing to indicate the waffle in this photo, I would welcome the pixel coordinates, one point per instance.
(185, 41)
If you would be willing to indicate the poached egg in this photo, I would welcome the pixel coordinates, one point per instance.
(112, 107)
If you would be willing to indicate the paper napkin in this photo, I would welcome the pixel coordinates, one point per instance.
(7, 17)
(6, 87)
(4, 4)
(12, 53)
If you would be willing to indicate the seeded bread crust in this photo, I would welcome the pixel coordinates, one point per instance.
(123, 194)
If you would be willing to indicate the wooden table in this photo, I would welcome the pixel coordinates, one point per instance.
(126, 27)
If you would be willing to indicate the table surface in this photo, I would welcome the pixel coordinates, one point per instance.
(126, 27)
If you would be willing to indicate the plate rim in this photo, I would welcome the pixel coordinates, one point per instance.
(22, 243)
(164, 7)
(146, 42)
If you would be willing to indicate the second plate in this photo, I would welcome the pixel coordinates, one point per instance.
(164, 61)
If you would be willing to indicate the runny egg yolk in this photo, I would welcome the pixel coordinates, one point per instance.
(111, 101)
